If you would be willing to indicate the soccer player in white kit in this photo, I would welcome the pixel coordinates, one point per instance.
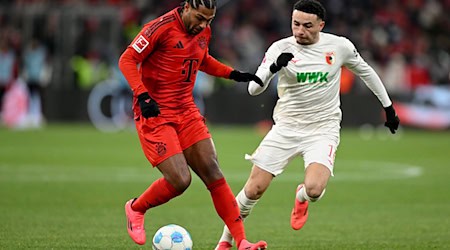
(307, 115)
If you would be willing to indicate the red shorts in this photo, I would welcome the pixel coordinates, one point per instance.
(164, 136)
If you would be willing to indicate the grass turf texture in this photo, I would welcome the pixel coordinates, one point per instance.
(65, 187)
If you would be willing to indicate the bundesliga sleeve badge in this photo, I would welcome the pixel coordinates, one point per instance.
(140, 44)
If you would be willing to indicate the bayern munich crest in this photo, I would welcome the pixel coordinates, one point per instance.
(161, 148)
(202, 42)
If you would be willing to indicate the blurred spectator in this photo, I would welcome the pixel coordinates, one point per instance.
(204, 86)
(417, 74)
(8, 64)
(395, 79)
(15, 106)
(36, 73)
(347, 80)
(89, 70)
(406, 41)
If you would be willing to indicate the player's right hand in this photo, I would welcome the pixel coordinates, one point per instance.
(149, 107)
(245, 77)
(392, 120)
(282, 61)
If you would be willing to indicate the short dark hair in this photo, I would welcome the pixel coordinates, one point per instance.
(311, 7)
(210, 4)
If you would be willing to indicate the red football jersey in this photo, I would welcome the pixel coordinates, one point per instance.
(169, 60)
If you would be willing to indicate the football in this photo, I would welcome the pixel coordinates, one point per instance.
(172, 237)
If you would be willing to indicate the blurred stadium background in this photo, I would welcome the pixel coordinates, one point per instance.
(63, 186)
(406, 41)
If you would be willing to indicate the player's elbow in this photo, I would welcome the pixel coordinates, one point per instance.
(254, 89)
(253, 93)
(121, 62)
(125, 60)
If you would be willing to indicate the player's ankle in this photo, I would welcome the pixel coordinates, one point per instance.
(239, 243)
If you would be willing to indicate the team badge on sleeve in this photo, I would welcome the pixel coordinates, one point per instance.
(140, 44)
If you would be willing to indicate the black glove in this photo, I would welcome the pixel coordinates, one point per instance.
(245, 77)
(392, 120)
(149, 107)
(282, 61)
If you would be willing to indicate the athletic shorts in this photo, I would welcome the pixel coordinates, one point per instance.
(283, 143)
(164, 136)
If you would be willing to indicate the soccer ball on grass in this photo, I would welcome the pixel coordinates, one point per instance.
(172, 237)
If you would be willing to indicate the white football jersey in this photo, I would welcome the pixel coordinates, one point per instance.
(308, 87)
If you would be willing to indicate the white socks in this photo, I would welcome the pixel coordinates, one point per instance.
(245, 206)
(302, 196)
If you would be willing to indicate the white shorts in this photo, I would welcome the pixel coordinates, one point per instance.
(283, 143)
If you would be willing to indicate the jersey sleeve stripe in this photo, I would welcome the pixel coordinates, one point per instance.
(165, 20)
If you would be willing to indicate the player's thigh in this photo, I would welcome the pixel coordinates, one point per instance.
(192, 129)
(202, 158)
(276, 150)
(320, 149)
(159, 139)
(176, 171)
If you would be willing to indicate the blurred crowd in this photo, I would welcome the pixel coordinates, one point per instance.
(76, 43)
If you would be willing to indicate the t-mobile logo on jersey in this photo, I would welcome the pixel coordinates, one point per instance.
(189, 68)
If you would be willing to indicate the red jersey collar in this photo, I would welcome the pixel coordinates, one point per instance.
(180, 21)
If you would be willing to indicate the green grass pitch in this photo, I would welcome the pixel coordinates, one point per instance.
(64, 187)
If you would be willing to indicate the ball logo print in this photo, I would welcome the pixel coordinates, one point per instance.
(172, 237)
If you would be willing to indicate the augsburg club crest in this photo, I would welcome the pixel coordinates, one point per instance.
(330, 57)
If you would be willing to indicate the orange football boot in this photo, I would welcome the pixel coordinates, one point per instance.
(299, 213)
(135, 224)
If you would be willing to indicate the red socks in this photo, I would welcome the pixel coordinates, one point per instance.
(160, 192)
(227, 208)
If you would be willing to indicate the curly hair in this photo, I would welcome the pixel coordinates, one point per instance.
(210, 4)
(311, 7)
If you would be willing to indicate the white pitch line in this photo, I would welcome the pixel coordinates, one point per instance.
(344, 171)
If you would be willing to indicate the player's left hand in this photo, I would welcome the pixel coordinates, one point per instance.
(245, 77)
(149, 107)
(392, 120)
(282, 61)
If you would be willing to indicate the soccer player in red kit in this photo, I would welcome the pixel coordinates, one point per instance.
(160, 66)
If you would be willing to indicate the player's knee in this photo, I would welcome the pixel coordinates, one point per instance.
(315, 192)
(254, 191)
(211, 172)
(182, 183)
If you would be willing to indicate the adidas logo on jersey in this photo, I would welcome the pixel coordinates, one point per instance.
(179, 45)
